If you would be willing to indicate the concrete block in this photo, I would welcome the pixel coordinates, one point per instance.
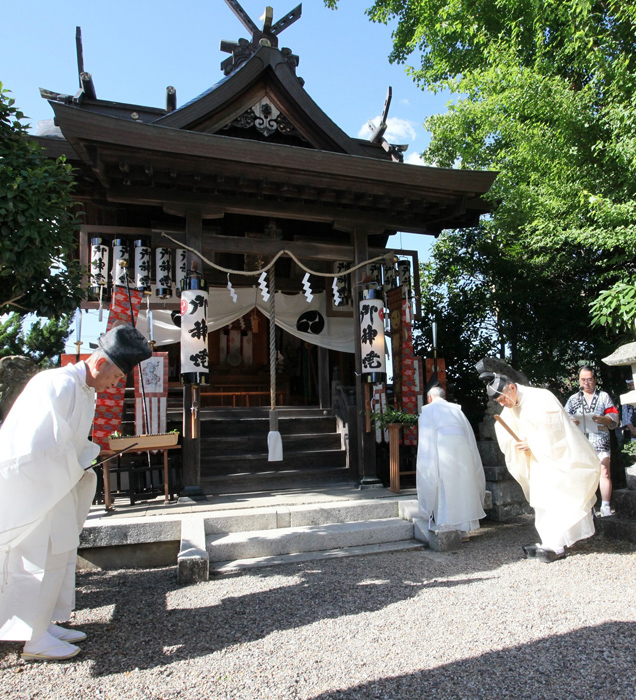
(129, 556)
(616, 528)
(193, 561)
(630, 475)
(496, 473)
(444, 540)
(487, 500)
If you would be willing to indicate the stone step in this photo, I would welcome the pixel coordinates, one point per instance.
(257, 444)
(624, 503)
(292, 425)
(617, 528)
(256, 463)
(259, 562)
(274, 480)
(235, 546)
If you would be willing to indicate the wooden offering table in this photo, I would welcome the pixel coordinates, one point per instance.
(156, 443)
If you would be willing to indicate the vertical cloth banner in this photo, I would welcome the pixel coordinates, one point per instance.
(155, 374)
(410, 381)
(110, 403)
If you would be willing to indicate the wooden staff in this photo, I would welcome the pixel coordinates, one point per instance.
(503, 423)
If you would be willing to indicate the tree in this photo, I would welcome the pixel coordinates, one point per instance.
(38, 272)
(42, 342)
(544, 95)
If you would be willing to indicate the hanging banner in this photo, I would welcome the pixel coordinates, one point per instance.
(155, 374)
(371, 310)
(142, 266)
(110, 403)
(195, 366)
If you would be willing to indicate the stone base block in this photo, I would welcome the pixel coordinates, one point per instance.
(506, 492)
(444, 540)
(193, 562)
(616, 529)
(489, 452)
(624, 501)
(510, 511)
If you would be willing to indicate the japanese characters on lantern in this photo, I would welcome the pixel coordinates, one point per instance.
(142, 266)
(343, 284)
(120, 254)
(99, 265)
(163, 272)
(180, 268)
(194, 330)
(373, 356)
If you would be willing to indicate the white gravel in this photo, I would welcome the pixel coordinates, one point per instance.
(480, 623)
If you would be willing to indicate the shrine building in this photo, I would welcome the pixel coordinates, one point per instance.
(203, 197)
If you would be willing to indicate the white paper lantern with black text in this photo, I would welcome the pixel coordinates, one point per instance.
(180, 268)
(142, 266)
(99, 265)
(373, 357)
(163, 271)
(195, 366)
(120, 254)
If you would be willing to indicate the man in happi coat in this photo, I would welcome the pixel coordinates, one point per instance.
(553, 462)
(595, 406)
(46, 489)
(451, 484)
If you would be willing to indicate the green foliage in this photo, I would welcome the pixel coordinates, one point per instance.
(391, 416)
(43, 341)
(544, 93)
(38, 273)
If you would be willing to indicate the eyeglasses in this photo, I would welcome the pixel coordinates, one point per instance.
(587, 381)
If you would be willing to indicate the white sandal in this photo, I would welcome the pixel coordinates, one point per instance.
(48, 648)
(66, 635)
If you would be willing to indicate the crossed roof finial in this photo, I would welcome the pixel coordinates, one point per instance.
(242, 49)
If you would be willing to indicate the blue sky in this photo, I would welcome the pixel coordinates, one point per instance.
(135, 49)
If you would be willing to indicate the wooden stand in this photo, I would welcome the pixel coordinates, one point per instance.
(166, 474)
(394, 458)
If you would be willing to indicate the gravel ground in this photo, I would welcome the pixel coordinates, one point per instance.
(480, 623)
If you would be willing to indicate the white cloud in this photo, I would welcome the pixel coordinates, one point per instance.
(398, 130)
(414, 159)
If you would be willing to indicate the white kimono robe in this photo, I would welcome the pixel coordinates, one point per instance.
(450, 477)
(45, 496)
(561, 477)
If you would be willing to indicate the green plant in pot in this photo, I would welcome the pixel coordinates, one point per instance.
(393, 416)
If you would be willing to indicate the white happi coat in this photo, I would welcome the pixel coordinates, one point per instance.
(561, 476)
(45, 494)
(450, 477)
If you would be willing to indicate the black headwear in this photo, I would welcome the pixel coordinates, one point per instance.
(125, 347)
(497, 384)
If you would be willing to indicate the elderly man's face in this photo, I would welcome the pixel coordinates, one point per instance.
(587, 381)
(508, 397)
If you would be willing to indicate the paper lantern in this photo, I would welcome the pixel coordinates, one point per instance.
(99, 265)
(195, 366)
(120, 254)
(142, 266)
(390, 276)
(371, 309)
(180, 268)
(342, 284)
(163, 276)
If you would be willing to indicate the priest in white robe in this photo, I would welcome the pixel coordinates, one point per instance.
(46, 489)
(450, 477)
(553, 462)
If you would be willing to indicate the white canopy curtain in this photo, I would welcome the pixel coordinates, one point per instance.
(334, 333)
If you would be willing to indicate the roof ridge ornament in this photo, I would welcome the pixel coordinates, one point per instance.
(377, 131)
(243, 49)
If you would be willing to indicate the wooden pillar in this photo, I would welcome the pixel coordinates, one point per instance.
(324, 380)
(192, 394)
(366, 441)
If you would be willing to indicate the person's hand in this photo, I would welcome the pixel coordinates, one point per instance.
(522, 446)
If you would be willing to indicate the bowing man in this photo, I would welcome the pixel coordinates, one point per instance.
(553, 462)
(46, 489)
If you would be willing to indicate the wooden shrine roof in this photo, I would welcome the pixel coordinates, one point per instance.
(149, 164)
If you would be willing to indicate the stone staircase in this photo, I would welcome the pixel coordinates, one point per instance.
(234, 450)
